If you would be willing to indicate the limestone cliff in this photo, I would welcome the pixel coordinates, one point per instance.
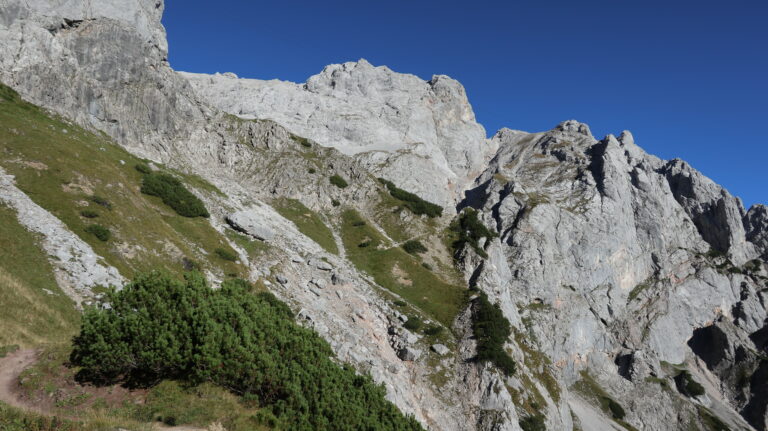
(618, 270)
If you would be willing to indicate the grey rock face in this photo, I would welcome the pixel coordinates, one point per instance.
(422, 135)
(756, 222)
(78, 268)
(248, 223)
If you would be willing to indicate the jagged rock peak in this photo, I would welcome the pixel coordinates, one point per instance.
(420, 134)
(573, 126)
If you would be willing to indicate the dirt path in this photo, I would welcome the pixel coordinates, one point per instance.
(12, 365)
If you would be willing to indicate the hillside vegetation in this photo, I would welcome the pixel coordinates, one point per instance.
(85, 179)
(159, 328)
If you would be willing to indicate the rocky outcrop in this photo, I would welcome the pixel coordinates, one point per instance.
(78, 269)
(422, 135)
(614, 267)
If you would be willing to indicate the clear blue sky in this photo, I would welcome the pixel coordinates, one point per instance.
(688, 78)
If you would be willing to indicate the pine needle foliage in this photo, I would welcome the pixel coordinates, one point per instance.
(159, 327)
(492, 330)
(174, 194)
(414, 203)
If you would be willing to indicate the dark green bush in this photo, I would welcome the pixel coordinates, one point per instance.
(89, 213)
(338, 181)
(689, 387)
(426, 266)
(617, 411)
(144, 169)
(174, 194)
(303, 141)
(400, 303)
(226, 254)
(159, 328)
(413, 202)
(533, 423)
(311, 170)
(365, 243)
(470, 230)
(491, 330)
(414, 246)
(433, 330)
(98, 200)
(99, 231)
(358, 223)
(335, 203)
(412, 324)
(189, 264)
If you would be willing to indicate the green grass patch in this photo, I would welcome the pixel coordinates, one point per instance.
(66, 169)
(35, 310)
(308, 222)
(589, 388)
(399, 272)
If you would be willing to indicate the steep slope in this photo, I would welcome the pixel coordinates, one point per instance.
(422, 135)
(617, 270)
(620, 263)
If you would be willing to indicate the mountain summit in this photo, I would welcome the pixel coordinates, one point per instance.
(529, 281)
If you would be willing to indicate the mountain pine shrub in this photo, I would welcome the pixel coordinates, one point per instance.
(159, 327)
(339, 182)
(492, 330)
(414, 246)
(99, 231)
(413, 202)
(174, 194)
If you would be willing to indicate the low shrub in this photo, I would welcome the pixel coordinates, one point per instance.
(470, 230)
(189, 264)
(492, 330)
(617, 411)
(433, 330)
(338, 181)
(533, 423)
(427, 266)
(365, 243)
(413, 202)
(687, 386)
(358, 223)
(226, 254)
(143, 168)
(400, 303)
(99, 231)
(414, 246)
(89, 213)
(98, 200)
(311, 170)
(174, 194)
(412, 324)
(160, 328)
(335, 203)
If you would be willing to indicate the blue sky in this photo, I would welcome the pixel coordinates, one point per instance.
(688, 78)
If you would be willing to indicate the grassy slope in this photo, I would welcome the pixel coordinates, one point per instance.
(400, 272)
(95, 408)
(60, 165)
(30, 314)
(308, 222)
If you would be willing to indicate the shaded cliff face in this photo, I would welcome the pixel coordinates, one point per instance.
(623, 269)
(422, 135)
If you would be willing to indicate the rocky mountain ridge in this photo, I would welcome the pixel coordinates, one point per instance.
(617, 270)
